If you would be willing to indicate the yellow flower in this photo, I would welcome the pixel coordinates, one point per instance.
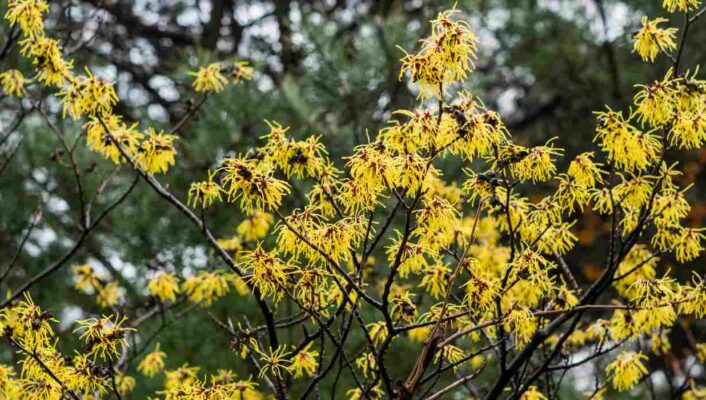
(245, 390)
(532, 393)
(165, 286)
(445, 56)
(557, 239)
(241, 287)
(156, 152)
(426, 72)
(481, 292)
(419, 132)
(7, 380)
(701, 352)
(41, 389)
(254, 185)
(434, 280)
(206, 287)
(223, 377)
(13, 83)
(366, 362)
(371, 166)
(402, 304)
(688, 245)
(109, 294)
(205, 192)
(104, 141)
(104, 337)
(29, 15)
(81, 378)
(688, 130)
(602, 202)
(321, 197)
(126, 384)
(653, 292)
(304, 362)
(375, 393)
(655, 103)
(651, 39)
(85, 278)
(687, 98)
(233, 244)
(295, 158)
(152, 363)
(378, 332)
(627, 146)
(184, 375)
(255, 226)
(638, 264)
(30, 324)
(479, 187)
(659, 342)
(627, 369)
(585, 171)
(680, 5)
(357, 196)
(267, 271)
(338, 239)
(622, 325)
(305, 220)
(419, 335)
(88, 95)
(412, 256)
(570, 194)
(275, 363)
(52, 69)
(481, 130)
(241, 71)
(634, 192)
(694, 392)
(694, 302)
(452, 355)
(670, 207)
(538, 164)
(412, 169)
(522, 323)
(209, 79)
(454, 44)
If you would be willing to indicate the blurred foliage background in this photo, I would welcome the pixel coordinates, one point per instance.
(328, 68)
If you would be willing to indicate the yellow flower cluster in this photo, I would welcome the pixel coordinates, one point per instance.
(304, 363)
(108, 293)
(164, 286)
(650, 40)
(211, 79)
(206, 287)
(94, 98)
(627, 370)
(83, 96)
(29, 14)
(153, 362)
(506, 282)
(104, 337)
(184, 383)
(446, 56)
(680, 5)
(46, 373)
(13, 83)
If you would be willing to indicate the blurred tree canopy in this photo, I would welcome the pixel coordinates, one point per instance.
(322, 67)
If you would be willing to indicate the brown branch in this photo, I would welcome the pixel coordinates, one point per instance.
(77, 245)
